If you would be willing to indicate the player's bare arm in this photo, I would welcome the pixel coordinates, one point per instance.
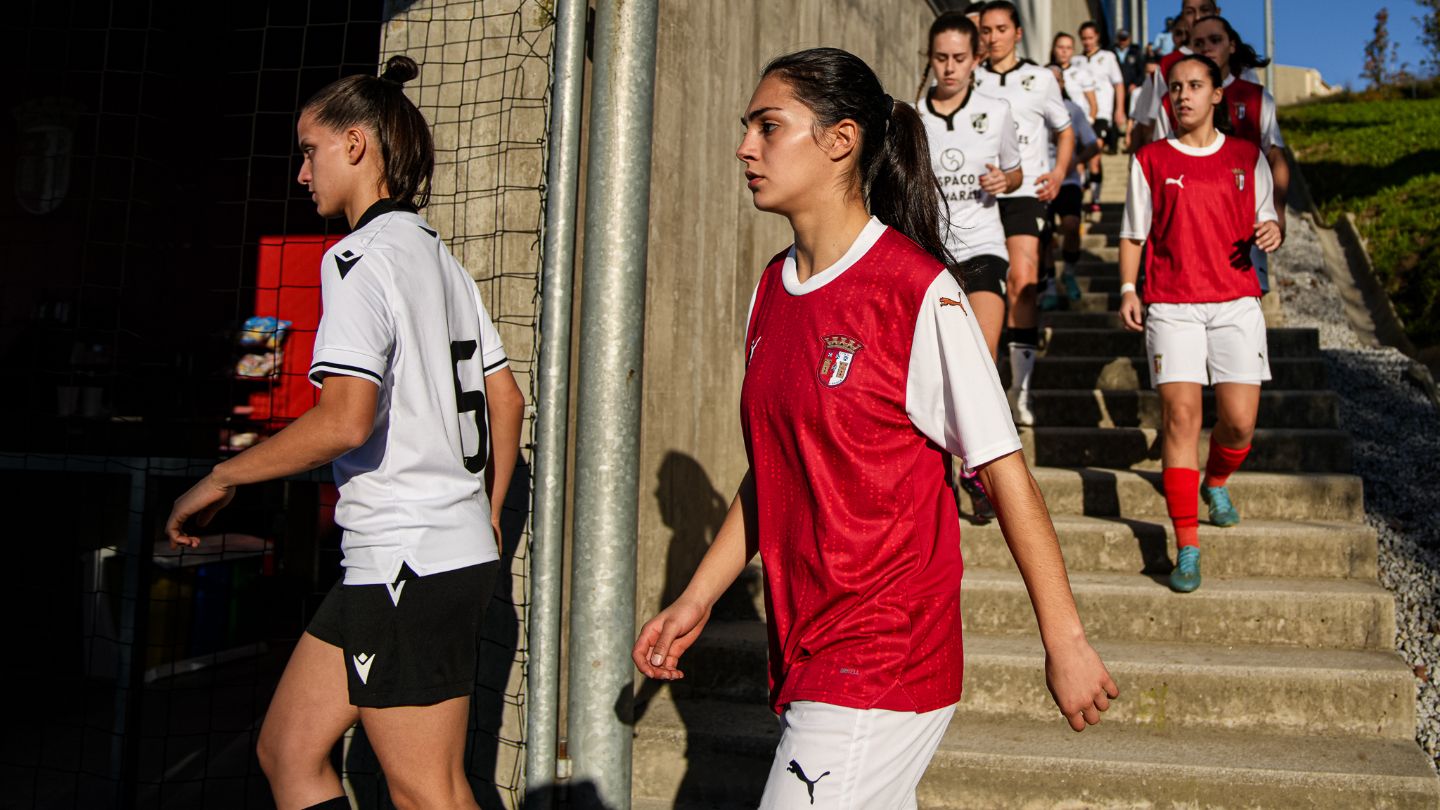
(666, 637)
(1078, 681)
(1132, 314)
(1048, 184)
(339, 423)
(1280, 176)
(506, 405)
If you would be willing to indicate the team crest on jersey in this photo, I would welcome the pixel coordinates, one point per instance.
(1239, 178)
(980, 122)
(1240, 111)
(839, 357)
(1028, 83)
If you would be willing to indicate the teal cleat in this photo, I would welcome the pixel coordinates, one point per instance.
(1222, 512)
(1186, 576)
(1072, 287)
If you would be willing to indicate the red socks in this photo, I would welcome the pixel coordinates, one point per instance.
(1182, 501)
(1222, 462)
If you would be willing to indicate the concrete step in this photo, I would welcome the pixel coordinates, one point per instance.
(714, 754)
(1337, 614)
(1175, 686)
(1096, 241)
(1260, 496)
(1121, 373)
(1098, 250)
(1297, 409)
(1071, 342)
(1095, 302)
(1273, 449)
(1091, 266)
(1255, 548)
(1081, 320)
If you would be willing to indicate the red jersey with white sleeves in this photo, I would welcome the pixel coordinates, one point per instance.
(1251, 110)
(859, 384)
(1198, 208)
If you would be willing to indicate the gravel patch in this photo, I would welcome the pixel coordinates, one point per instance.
(1396, 430)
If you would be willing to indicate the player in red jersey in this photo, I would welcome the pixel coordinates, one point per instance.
(865, 371)
(1201, 200)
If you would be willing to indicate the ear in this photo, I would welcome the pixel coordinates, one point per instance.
(1216, 96)
(844, 139)
(356, 142)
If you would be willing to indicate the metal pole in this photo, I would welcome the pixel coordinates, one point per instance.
(602, 588)
(552, 399)
(1144, 23)
(1270, 47)
(1133, 24)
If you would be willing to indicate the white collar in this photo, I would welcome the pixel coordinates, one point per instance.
(869, 235)
(1198, 151)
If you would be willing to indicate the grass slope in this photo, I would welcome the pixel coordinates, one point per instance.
(1381, 161)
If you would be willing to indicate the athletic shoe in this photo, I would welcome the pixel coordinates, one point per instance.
(1072, 287)
(981, 507)
(1048, 300)
(1222, 512)
(1095, 215)
(1186, 576)
(1021, 407)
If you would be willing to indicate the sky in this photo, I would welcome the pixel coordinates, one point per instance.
(1328, 35)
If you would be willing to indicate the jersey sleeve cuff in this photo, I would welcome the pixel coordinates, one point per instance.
(1138, 237)
(345, 362)
(989, 453)
(495, 363)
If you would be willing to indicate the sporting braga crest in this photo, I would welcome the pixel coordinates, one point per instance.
(839, 357)
(1239, 178)
(1240, 111)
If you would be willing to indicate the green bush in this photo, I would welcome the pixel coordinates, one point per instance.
(1380, 160)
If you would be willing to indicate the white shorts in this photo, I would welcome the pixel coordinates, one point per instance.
(851, 759)
(1222, 342)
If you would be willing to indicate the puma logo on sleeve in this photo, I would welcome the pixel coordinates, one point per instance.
(809, 783)
(951, 302)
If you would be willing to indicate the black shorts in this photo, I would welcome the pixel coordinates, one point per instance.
(1068, 203)
(1022, 216)
(983, 273)
(412, 643)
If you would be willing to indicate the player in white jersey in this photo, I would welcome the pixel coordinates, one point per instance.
(975, 155)
(1109, 96)
(1039, 112)
(1068, 205)
(1079, 83)
(421, 416)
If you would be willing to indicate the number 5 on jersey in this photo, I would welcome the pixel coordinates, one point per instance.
(470, 402)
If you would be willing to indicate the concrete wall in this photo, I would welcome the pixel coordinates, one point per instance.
(708, 246)
(1294, 84)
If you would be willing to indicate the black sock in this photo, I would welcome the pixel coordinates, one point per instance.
(1028, 336)
(1071, 256)
(337, 803)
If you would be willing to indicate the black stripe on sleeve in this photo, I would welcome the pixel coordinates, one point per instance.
(497, 364)
(321, 366)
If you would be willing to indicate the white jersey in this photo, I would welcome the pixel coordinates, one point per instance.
(1269, 123)
(1038, 109)
(1105, 66)
(1079, 81)
(1084, 137)
(980, 132)
(400, 311)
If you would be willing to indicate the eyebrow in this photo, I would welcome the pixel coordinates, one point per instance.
(753, 114)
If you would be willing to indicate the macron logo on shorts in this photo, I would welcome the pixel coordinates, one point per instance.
(362, 666)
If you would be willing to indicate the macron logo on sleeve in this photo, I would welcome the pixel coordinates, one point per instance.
(346, 261)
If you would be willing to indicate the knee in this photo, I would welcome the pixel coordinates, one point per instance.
(1235, 432)
(448, 790)
(279, 758)
(1182, 420)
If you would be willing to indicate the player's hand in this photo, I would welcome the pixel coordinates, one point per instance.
(666, 637)
(1047, 185)
(1268, 236)
(993, 181)
(1132, 313)
(1079, 683)
(200, 502)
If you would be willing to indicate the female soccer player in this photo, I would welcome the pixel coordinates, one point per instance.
(865, 370)
(1039, 113)
(1200, 199)
(975, 155)
(1068, 205)
(1079, 85)
(421, 417)
(1104, 65)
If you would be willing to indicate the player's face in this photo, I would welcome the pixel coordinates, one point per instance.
(784, 162)
(1064, 50)
(1192, 94)
(1090, 40)
(324, 168)
(952, 60)
(999, 34)
(1209, 39)
(1190, 11)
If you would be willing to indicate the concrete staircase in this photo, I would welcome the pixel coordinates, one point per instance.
(1274, 685)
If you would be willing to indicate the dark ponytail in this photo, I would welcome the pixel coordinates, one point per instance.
(895, 179)
(1220, 114)
(1242, 56)
(379, 103)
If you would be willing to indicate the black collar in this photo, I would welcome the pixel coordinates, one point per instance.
(1019, 63)
(384, 205)
(948, 119)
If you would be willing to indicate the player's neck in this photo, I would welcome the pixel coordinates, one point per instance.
(1005, 63)
(362, 200)
(1199, 137)
(824, 234)
(1092, 53)
(948, 105)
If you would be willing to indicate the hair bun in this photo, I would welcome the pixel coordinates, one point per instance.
(400, 69)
